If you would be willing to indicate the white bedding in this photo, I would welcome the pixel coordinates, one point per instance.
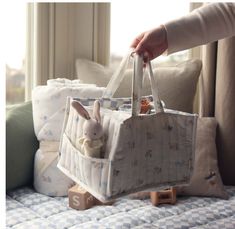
(48, 114)
(27, 209)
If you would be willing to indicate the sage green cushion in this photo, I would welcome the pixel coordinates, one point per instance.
(21, 145)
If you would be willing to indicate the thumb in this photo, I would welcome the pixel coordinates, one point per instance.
(142, 50)
(140, 47)
(137, 40)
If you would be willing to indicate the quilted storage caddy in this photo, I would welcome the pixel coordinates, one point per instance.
(142, 151)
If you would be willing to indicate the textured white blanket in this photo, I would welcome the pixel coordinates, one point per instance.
(49, 105)
(48, 114)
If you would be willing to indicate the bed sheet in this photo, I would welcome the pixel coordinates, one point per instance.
(26, 208)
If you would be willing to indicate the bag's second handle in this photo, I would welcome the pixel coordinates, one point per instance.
(117, 77)
(156, 99)
(137, 80)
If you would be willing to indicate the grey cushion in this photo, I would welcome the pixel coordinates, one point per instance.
(21, 145)
(206, 179)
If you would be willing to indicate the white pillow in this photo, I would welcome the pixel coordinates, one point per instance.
(176, 84)
(92, 72)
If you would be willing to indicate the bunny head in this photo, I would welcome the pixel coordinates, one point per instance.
(92, 128)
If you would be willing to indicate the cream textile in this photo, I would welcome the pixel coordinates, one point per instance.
(203, 25)
(49, 103)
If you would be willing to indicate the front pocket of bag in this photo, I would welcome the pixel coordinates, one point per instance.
(91, 172)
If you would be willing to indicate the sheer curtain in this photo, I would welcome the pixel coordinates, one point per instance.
(40, 48)
(59, 33)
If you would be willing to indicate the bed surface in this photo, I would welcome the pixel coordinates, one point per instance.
(27, 209)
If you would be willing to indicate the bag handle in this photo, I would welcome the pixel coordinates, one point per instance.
(137, 86)
(117, 77)
(159, 108)
(137, 80)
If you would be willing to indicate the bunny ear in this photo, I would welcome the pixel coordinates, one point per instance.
(80, 109)
(96, 111)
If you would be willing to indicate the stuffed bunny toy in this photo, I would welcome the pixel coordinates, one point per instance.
(92, 139)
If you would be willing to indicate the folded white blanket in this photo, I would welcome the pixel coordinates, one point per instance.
(49, 105)
(47, 178)
(48, 115)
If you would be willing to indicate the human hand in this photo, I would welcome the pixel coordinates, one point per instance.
(151, 44)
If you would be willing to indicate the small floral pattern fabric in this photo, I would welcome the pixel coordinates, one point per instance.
(141, 152)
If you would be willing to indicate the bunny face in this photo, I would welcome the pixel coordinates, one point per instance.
(92, 128)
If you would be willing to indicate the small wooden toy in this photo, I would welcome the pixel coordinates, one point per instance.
(167, 196)
(145, 106)
(80, 199)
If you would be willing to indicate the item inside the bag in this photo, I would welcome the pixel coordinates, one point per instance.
(92, 140)
(145, 107)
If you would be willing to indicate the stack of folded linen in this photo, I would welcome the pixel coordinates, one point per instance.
(49, 103)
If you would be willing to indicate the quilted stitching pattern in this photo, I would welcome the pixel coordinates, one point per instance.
(228, 223)
(99, 212)
(36, 224)
(19, 215)
(49, 208)
(114, 172)
(89, 225)
(121, 220)
(31, 199)
(127, 205)
(27, 209)
(12, 204)
(69, 218)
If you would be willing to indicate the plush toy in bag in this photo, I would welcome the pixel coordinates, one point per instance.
(92, 140)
